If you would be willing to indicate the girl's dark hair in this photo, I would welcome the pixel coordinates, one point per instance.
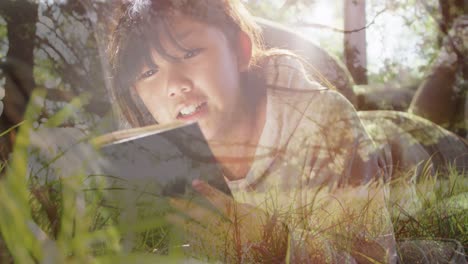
(136, 33)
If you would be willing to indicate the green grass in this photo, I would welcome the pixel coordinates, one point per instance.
(57, 221)
(434, 208)
(61, 221)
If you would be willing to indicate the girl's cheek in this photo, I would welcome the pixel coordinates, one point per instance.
(145, 91)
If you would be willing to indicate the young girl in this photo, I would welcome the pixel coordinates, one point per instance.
(204, 62)
(279, 136)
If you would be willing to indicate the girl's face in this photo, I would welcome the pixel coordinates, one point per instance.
(203, 85)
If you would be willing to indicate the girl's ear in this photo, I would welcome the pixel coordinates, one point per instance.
(244, 51)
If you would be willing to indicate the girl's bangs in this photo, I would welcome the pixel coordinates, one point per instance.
(142, 41)
(163, 29)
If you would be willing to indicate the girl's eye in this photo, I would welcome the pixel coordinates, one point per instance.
(192, 53)
(148, 73)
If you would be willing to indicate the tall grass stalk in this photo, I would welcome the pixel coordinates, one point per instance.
(57, 221)
(433, 208)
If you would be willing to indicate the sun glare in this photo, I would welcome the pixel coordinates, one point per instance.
(322, 13)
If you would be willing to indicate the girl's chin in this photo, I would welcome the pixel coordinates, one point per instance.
(213, 131)
(208, 134)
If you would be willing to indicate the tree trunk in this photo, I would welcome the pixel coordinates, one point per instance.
(450, 9)
(355, 52)
(438, 98)
(21, 17)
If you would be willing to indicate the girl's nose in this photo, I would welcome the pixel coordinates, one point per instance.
(178, 85)
(179, 90)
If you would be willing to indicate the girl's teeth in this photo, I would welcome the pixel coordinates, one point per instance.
(189, 110)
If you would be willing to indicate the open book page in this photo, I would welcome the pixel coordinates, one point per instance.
(162, 160)
(133, 133)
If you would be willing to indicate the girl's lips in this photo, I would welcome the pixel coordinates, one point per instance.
(201, 111)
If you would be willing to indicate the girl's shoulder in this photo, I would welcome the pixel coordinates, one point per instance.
(286, 71)
(290, 91)
(286, 79)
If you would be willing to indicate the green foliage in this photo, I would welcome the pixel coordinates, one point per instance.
(403, 62)
(67, 61)
(58, 221)
(3, 39)
(435, 207)
(389, 58)
(15, 208)
(67, 111)
(275, 11)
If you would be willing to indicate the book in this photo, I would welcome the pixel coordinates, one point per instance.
(161, 161)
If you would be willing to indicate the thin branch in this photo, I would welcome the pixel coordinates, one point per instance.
(72, 74)
(46, 42)
(68, 47)
(439, 23)
(444, 31)
(316, 25)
